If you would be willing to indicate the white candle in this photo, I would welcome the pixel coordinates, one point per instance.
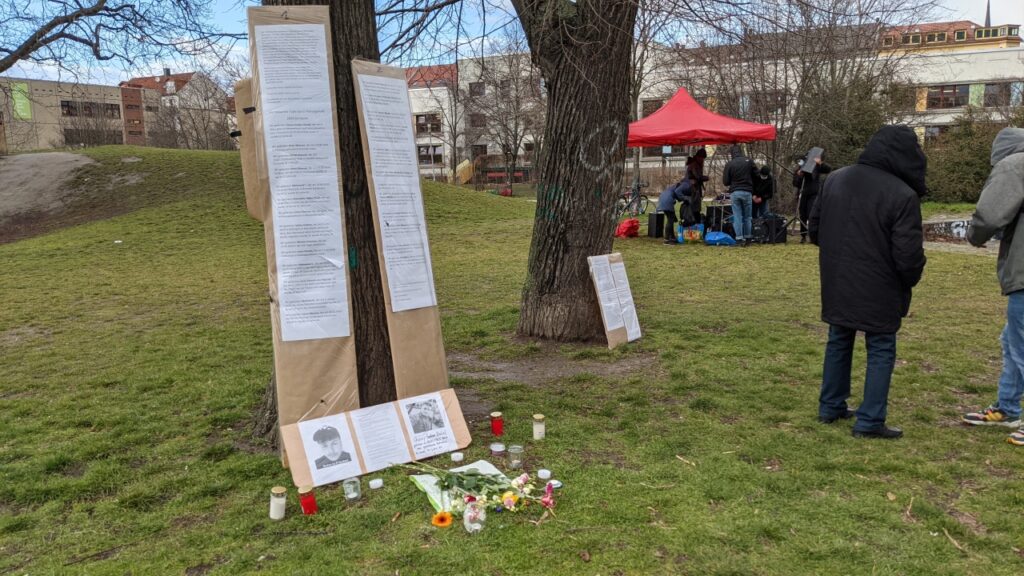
(457, 456)
(376, 483)
(278, 502)
(538, 426)
(544, 474)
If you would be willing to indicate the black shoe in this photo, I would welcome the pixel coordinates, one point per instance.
(671, 242)
(884, 433)
(841, 416)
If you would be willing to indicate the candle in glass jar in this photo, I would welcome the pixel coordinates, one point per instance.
(497, 424)
(307, 500)
(278, 502)
(352, 489)
(515, 457)
(538, 426)
(497, 449)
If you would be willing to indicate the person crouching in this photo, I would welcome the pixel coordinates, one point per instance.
(678, 192)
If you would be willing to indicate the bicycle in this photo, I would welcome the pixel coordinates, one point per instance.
(632, 201)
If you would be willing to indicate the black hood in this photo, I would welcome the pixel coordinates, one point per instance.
(895, 149)
(735, 151)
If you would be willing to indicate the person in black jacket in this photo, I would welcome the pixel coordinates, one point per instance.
(867, 223)
(808, 186)
(695, 173)
(764, 190)
(739, 176)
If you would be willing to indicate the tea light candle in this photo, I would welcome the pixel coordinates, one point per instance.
(457, 456)
(497, 424)
(278, 502)
(376, 484)
(538, 426)
(497, 449)
(351, 488)
(544, 474)
(307, 500)
(515, 457)
(556, 484)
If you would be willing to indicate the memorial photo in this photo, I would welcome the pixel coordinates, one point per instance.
(424, 416)
(329, 448)
(329, 440)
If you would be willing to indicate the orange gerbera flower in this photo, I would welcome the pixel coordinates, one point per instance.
(442, 519)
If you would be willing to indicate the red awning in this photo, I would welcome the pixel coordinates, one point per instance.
(683, 122)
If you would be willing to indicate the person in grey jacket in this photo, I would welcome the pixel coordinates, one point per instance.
(999, 210)
(678, 192)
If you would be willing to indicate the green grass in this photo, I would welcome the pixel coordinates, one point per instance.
(127, 373)
(944, 210)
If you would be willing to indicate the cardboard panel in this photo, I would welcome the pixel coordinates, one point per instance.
(299, 462)
(611, 307)
(315, 378)
(255, 197)
(416, 345)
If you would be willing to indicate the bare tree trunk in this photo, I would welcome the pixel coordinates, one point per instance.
(583, 52)
(354, 35)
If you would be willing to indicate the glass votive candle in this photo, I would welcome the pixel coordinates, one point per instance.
(457, 456)
(307, 500)
(544, 474)
(376, 484)
(515, 457)
(497, 449)
(497, 423)
(278, 502)
(538, 426)
(351, 488)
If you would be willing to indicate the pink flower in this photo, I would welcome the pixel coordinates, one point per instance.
(470, 498)
(523, 479)
(547, 502)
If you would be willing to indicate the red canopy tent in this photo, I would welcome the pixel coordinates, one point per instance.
(683, 122)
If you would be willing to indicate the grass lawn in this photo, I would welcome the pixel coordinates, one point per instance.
(128, 372)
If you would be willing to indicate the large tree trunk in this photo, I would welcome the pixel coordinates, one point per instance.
(583, 52)
(354, 35)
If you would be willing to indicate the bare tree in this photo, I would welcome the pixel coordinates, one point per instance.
(505, 102)
(583, 52)
(69, 33)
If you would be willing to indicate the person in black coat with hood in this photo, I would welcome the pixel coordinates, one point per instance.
(867, 223)
(808, 185)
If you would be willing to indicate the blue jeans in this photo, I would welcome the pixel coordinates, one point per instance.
(742, 201)
(1011, 382)
(835, 384)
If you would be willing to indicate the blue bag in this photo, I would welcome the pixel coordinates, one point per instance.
(719, 239)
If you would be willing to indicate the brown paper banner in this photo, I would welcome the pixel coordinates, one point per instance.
(417, 348)
(314, 377)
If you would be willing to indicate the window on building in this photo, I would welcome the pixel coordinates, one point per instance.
(648, 107)
(131, 106)
(428, 123)
(997, 95)
(112, 111)
(948, 96)
(476, 89)
(960, 35)
(888, 41)
(88, 109)
(1014, 31)
(934, 37)
(477, 121)
(478, 150)
(151, 108)
(911, 39)
(982, 33)
(1002, 31)
(68, 108)
(430, 154)
(135, 132)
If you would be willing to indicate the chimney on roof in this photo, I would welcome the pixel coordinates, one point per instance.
(988, 14)
(167, 71)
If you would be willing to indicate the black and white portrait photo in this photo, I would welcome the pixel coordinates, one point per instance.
(330, 449)
(329, 440)
(424, 416)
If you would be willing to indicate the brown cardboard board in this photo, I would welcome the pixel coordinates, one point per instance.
(299, 463)
(255, 197)
(615, 336)
(314, 377)
(417, 348)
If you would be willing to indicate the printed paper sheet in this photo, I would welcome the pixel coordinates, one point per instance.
(626, 303)
(296, 97)
(606, 292)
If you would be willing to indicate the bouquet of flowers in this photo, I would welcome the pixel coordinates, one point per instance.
(485, 491)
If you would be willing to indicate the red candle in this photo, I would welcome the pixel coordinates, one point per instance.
(307, 500)
(497, 424)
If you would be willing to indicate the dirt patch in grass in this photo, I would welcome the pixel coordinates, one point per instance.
(474, 407)
(548, 365)
(968, 521)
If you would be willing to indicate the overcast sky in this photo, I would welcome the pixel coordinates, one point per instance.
(1003, 11)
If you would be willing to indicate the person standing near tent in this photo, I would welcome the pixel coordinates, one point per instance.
(808, 185)
(695, 173)
(739, 175)
(764, 190)
(678, 192)
(867, 224)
